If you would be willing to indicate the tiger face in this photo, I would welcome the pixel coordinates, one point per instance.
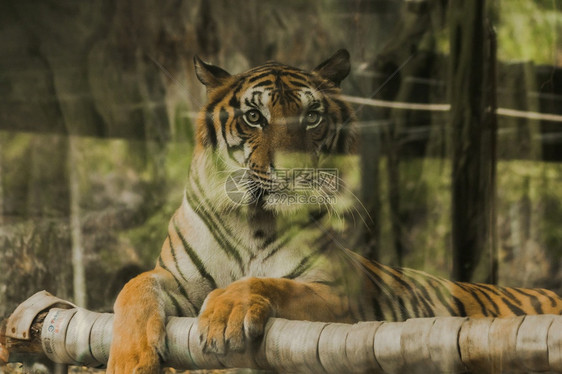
(281, 124)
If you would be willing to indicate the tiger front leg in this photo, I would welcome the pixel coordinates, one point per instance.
(139, 325)
(233, 317)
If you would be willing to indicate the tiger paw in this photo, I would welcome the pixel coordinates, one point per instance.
(234, 317)
(138, 330)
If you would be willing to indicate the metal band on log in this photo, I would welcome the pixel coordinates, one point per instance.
(445, 344)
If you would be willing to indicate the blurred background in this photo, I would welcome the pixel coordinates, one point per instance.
(97, 106)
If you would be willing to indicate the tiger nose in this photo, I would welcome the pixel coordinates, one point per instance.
(291, 136)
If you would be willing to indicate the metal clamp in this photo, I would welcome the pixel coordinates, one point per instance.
(20, 321)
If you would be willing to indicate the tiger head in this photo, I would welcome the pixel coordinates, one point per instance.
(280, 127)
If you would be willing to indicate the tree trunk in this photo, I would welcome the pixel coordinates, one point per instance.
(78, 267)
(473, 138)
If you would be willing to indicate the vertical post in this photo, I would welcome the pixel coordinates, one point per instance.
(473, 134)
(78, 270)
(370, 191)
(492, 126)
(1, 183)
(60, 369)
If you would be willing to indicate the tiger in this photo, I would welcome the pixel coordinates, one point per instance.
(236, 254)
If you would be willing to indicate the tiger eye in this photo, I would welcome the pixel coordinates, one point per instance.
(312, 118)
(253, 117)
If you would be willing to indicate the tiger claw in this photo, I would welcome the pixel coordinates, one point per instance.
(233, 318)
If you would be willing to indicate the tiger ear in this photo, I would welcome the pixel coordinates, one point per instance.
(210, 75)
(336, 68)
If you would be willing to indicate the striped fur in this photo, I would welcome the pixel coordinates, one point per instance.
(235, 265)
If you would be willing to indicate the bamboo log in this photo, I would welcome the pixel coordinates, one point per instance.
(440, 345)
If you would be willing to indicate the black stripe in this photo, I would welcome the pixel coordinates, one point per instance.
(214, 220)
(385, 290)
(300, 268)
(295, 74)
(256, 99)
(234, 103)
(177, 306)
(415, 300)
(429, 310)
(307, 261)
(404, 314)
(240, 129)
(379, 316)
(263, 83)
(425, 297)
(235, 91)
(285, 237)
(180, 285)
(491, 301)
(537, 305)
(250, 103)
(510, 296)
(252, 150)
(233, 149)
(276, 68)
(195, 259)
(211, 133)
(489, 288)
(209, 109)
(259, 76)
(275, 97)
(330, 283)
(545, 294)
(413, 297)
(344, 112)
(461, 310)
(216, 229)
(392, 306)
(473, 293)
(174, 257)
(428, 306)
(438, 292)
(460, 306)
(301, 84)
(223, 118)
(270, 240)
(278, 247)
(514, 309)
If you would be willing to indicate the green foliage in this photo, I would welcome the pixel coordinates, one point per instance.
(529, 30)
(183, 127)
(147, 238)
